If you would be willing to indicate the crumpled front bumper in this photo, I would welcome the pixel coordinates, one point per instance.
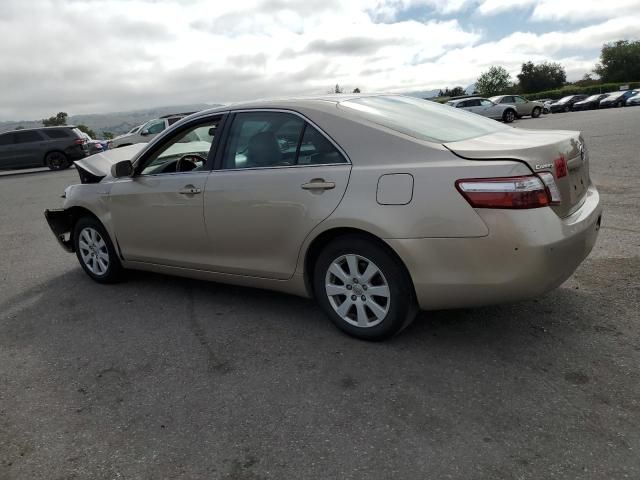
(61, 222)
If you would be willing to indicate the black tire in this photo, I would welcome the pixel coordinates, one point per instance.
(546, 111)
(536, 112)
(508, 116)
(401, 307)
(619, 104)
(56, 161)
(113, 272)
(567, 108)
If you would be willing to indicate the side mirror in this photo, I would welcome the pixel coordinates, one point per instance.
(122, 169)
(144, 132)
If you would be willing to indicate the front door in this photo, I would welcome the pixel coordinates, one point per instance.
(158, 214)
(278, 178)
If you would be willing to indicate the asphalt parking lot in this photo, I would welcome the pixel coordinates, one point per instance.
(162, 377)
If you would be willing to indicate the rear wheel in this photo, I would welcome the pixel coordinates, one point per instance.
(363, 288)
(508, 116)
(536, 112)
(95, 252)
(56, 161)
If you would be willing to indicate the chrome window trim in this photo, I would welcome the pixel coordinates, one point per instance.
(304, 118)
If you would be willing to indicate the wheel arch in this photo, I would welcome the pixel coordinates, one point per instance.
(327, 236)
(53, 150)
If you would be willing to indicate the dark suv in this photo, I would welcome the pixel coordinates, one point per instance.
(53, 147)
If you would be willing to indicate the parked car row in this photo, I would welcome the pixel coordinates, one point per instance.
(600, 100)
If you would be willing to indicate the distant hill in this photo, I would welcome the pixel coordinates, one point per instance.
(116, 122)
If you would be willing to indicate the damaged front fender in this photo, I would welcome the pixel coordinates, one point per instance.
(61, 223)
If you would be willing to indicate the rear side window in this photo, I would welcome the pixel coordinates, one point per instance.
(27, 137)
(56, 133)
(262, 139)
(421, 119)
(315, 149)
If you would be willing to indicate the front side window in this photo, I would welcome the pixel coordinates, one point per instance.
(27, 137)
(186, 151)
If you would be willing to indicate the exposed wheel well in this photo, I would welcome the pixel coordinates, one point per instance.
(328, 236)
(75, 214)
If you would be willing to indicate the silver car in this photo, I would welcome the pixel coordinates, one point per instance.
(376, 206)
(523, 106)
(486, 108)
(144, 133)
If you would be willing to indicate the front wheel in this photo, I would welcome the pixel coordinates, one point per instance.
(508, 116)
(536, 112)
(363, 288)
(566, 109)
(95, 252)
(56, 161)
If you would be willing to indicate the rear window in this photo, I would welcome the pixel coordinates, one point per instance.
(27, 137)
(57, 133)
(421, 119)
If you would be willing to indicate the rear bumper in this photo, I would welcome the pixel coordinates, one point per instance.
(60, 221)
(527, 253)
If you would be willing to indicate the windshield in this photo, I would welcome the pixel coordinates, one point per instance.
(616, 94)
(565, 99)
(494, 99)
(591, 98)
(421, 119)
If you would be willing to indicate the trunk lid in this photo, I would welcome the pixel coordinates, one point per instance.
(561, 152)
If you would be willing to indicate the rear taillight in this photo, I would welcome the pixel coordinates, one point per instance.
(531, 191)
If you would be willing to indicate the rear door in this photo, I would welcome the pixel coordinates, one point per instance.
(277, 178)
(7, 151)
(27, 148)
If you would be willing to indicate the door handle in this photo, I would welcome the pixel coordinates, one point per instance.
(318, 184)
(189, 190)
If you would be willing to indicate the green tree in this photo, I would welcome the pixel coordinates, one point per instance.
(619, 61)
(356, 90)
(59, 119)
(107, 135)
(493, 82)
(544, 76)
(454, 92)
(87, 130)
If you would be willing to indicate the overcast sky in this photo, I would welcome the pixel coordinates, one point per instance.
(91, 56)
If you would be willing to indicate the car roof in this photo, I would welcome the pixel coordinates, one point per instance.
(328, 100)
(31, 129)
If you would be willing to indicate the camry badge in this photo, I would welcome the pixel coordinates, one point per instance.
(544, 166)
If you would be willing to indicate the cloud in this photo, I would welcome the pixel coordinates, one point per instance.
(572, 11)
(86, 56)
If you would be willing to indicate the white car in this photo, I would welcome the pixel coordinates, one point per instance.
(485, 107)
(144, 133)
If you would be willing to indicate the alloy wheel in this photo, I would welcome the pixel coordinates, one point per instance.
(357, 290)
(93, 250)
(56, 160)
